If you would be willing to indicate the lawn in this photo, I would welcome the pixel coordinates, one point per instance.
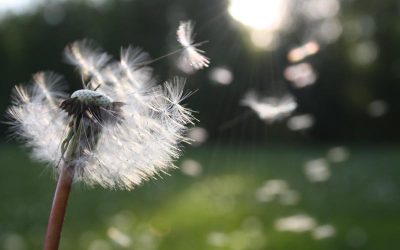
(231, 204)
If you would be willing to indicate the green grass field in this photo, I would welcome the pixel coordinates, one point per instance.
(219, 209)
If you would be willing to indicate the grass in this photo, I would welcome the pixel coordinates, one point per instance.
(217, 210)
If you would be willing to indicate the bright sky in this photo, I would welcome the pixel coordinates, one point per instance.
(17, 6)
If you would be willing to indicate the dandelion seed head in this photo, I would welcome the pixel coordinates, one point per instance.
(128, 129)
(92, 97)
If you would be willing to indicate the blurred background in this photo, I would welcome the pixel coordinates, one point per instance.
(297, 140)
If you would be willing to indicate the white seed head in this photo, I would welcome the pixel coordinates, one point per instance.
(92, 97)
(119, 155)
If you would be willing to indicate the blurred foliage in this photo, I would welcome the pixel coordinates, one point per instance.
(35, 41)
(218, 209)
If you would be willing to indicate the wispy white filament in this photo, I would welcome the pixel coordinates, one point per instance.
(191, 54)
(36, 117)
(269, 109)
(141, 145)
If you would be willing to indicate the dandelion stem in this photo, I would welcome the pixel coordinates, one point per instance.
(64, 183)
(57, 213)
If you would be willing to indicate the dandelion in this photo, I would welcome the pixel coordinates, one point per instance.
(270, 109)
(191, 53)
(117, 132)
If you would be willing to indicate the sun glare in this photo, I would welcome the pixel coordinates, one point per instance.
(263, 17)
(259, 14)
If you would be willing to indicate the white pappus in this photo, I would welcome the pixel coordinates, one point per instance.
(270, 109)
(128, 129)
(191, 53)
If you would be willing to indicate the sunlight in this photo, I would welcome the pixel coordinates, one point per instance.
(263, 17)
(259, 14)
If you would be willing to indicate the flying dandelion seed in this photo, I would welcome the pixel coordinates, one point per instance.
(119, 237)
(300, 122)
(320, 9)
(277, 189)
(329, 30)
(221, 75)
(289, 198)
(301, 75)
(338, 154)
(197, 135)
(323, 232)
(270, 189)
(365, 52)
(297, 223)
(317, 170)
(191, 168)
(270, 109)
(191, 53)
(217, 239)
(99, 244)
(377, 108)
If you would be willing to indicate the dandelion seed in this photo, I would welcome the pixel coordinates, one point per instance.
(191, 168)
(297, 223)
(338, 154)
(277, 189)
(191, 53)
(99, 244)
(89, 59)
(289, 197)
(317, 170)
(119, 237)
(323, 232)
(221, 75)
(270, 109)
(198, 136)
(300, 122)
(301, 75)
(377, 108)
(217, 239)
